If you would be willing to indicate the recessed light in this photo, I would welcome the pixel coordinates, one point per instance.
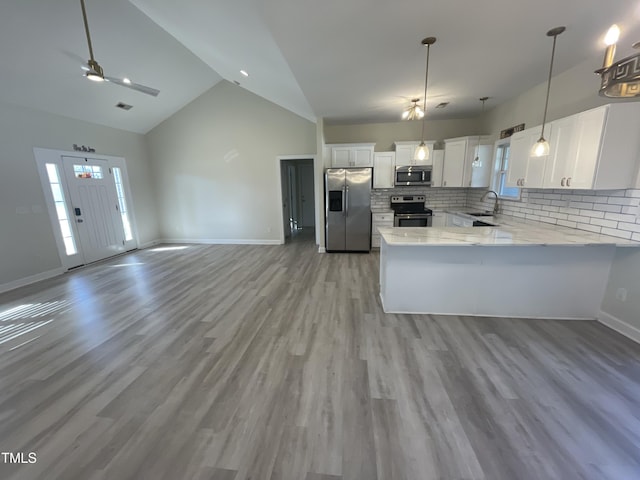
(243, 72)
(126, 80)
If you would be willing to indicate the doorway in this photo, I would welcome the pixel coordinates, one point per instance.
(298, 199)
(89, 205)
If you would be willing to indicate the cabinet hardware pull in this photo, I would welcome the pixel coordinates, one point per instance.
(569, 182)
(562, 182)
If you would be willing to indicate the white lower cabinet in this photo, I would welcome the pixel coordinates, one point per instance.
(379, 220)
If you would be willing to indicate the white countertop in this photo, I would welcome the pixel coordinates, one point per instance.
(509, 232)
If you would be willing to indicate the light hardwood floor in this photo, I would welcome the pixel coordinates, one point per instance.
(276, 362)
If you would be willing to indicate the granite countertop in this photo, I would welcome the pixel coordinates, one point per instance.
(509, 231)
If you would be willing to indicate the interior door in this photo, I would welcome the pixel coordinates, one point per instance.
(94, 207)
(306, 195)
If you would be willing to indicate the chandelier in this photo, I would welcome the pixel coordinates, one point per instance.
(619, 79)
(414, 112)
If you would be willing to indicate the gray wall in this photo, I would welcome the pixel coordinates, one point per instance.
(27, 245)
(216, 169)
(384, 134)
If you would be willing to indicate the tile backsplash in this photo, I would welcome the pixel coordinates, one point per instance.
(610, 212)
(435, 197)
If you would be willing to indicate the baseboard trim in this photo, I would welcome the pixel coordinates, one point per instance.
(152, 243)
(322, 250)
(222, 241)
(23, 282)
(619, 326)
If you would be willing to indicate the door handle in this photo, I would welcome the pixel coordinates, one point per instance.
(346, 202)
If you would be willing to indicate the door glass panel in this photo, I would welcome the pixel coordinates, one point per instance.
(122, 203)
(61, 209)
(88, 171)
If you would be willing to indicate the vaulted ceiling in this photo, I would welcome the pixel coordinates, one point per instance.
(349, 62)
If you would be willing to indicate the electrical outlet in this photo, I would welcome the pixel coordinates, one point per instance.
(621, 294)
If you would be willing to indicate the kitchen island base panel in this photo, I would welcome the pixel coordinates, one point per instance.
(516, 281)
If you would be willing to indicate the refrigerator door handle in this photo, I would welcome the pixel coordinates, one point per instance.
(346, 202)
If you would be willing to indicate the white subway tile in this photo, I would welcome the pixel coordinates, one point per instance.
(620, 217)
(636, 236)
(607, 208)
(615, 233)
(588, 227)
(623, 201)
(592, 213)
(633, 227)
(603, 223)
(565, 223)
(585, 205)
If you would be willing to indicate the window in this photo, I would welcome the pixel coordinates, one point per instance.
(500, 168)
(88, 171)
(126, 224)
(61, 209)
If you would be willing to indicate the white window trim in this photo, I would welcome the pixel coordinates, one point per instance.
(496, 174)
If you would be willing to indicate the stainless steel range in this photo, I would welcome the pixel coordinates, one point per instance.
(409, 211)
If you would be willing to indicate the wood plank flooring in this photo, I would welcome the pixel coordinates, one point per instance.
(277, 363)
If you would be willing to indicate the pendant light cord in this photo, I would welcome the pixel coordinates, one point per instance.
(426, 78)
(546, 103)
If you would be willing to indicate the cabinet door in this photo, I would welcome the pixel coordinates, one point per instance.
(438, 165)
(341, 157)
(439, 219)
(383, 169)
(362, 156)
(454, 156)
(534, 176)
(581, 169)
(426, 161)
(518, 157)
(404, 154)
(562, 152)
(481, 175)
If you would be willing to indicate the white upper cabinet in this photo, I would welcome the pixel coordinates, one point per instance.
(525, 170)
(406, 150)
(458, 169)
(599, 149)
(438, 165)
(383, 169)
(352, 155)
(593, 150)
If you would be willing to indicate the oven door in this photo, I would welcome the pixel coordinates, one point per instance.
(412, 220)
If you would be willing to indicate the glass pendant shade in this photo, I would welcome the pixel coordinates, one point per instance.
(421, 153)
(94, 77)
(540, 148)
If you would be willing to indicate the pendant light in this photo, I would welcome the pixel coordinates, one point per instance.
(541, 147)
(477, 163)
(422, 152)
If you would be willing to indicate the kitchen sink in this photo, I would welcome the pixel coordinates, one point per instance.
(481, 214)
(480, 223)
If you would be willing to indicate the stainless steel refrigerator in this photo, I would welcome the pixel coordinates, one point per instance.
(348, 209)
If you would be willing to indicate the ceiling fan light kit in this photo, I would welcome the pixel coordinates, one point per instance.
(541, 147)
(619, 79)
(422, 152)
(414, 112)
(95, 73)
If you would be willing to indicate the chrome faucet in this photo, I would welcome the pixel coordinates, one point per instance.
(495, 205)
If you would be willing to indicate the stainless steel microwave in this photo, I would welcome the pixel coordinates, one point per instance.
(407, 176)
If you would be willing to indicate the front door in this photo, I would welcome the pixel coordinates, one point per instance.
(94, 207)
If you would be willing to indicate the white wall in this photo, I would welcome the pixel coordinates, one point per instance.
(27, 245)
(624, 274)
(216, 169)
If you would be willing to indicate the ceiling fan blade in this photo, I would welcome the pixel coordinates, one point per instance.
(134, 86)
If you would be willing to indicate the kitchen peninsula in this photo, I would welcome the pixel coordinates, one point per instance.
(517, 269)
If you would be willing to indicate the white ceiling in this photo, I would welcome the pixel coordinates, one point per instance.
(350, 62)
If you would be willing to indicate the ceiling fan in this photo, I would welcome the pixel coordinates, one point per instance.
(94, 72)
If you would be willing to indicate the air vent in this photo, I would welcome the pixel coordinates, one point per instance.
(124, 106)
(442, 105)
(236, 82)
